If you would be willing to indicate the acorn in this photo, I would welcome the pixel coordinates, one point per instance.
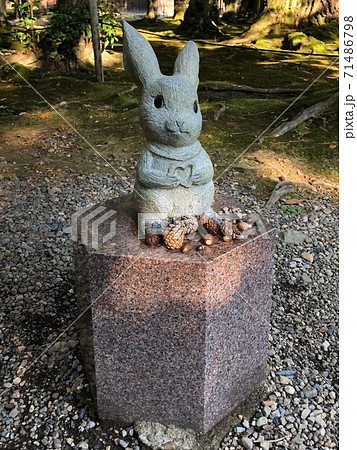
(243, 226)
(227, 238)
(199, 248)
(208, 239)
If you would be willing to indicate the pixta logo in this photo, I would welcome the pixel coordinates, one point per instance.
(92, 227)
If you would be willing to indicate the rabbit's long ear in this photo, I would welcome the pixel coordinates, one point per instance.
(140, 61)
(187, 62)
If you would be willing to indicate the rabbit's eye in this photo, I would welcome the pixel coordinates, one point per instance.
(195, 106)
(159, 101)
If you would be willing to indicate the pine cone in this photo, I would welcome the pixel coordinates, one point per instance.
(189, 223)
(174, 235)
(152, 239)
(227, 228)
(210, 224)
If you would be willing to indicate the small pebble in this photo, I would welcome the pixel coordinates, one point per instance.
(310, 393)
(289, 390)
(14, 413)
(247, 443)
(46, 408)
(307, 256)
(262, 421)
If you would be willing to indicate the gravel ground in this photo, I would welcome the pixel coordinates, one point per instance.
(49, 405)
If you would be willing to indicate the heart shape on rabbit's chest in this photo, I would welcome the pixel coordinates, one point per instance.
(184, 175)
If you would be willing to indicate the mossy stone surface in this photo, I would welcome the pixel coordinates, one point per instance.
(301, 42)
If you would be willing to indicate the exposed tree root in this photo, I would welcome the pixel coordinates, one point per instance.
(306, 114)
(285, 187)
(244, 88)
(219, 113)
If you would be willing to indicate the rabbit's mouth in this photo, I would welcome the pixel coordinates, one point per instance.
(176, 128)
(178, 132)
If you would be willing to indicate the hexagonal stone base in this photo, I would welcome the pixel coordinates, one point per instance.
(173, 338)
(155, 436)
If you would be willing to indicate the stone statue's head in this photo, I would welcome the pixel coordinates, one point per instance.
(169, 110)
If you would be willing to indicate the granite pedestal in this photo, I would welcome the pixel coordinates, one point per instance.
(178, 339)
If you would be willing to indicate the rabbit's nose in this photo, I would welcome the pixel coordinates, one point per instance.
(182, 126)
(173, 127)
(180, 123)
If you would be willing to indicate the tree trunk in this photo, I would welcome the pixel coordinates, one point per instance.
(304, 10)
(2, 11)
(292, 14)
(258, 7)
(16, 7)
(201, 18)
(214, 11)
(231, 10)
(94, 24)
(180, 7)
(152, 10)
(32, 22)
(246, 8)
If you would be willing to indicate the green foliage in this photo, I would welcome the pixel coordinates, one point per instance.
(59, 41)
(286, 209)
(27, 35)
(302, 129)
(108, 24)
(68, 24)
(25, 8)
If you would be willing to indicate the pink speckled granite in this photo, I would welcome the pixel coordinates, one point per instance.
(173, 338)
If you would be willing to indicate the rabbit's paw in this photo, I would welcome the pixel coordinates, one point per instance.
(184, 174)
(199, 178)
(172, 180)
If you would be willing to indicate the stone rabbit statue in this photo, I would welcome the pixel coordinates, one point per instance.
(174, 173)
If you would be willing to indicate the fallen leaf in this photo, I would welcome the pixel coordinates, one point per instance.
(43, 115)
(292, 201)
(61, 128)
(333, 145)
(268, 402)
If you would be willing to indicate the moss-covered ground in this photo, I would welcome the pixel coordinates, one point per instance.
(89, 118)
